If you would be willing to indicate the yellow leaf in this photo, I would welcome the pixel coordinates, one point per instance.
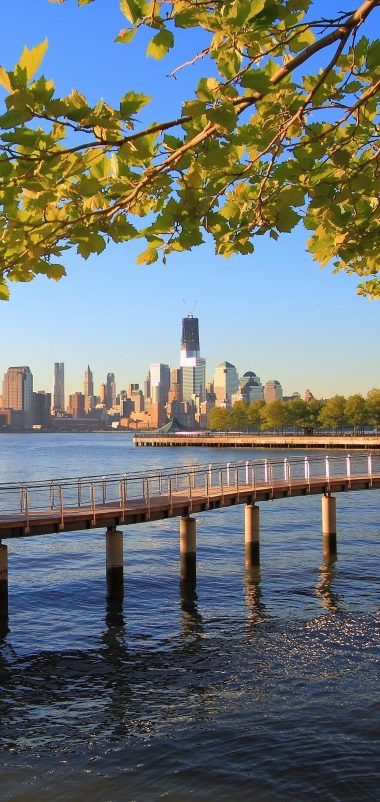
(4, 79)
(31, 59)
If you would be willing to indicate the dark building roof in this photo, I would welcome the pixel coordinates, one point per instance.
(249, 375)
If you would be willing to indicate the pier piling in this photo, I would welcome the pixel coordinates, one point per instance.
(329, 524)
(114, 564)
(252, 535)
(188, 549)
(3, 581)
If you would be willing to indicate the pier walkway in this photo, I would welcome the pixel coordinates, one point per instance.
(157, 439)
(114, 500)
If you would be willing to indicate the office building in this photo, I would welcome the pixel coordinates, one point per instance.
(41, 408)
(159, 382)
(76, 405)
(88, 385)
(18, 395)
(226, 383)
(59, 387)
(110, 391)
(192, 364)
(272, 391)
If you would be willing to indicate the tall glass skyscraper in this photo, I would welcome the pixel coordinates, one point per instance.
(18, 393)
(59, 387)
(192, 364)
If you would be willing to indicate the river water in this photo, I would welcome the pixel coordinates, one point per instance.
(254, 687)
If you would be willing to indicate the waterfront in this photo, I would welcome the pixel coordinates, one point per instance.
(260, 686)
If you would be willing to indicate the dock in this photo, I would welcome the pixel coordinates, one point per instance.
(115, 500)
(243, 440)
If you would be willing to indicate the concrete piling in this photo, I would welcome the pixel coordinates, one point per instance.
(188, 549)
(252, 535)
(114, 564)
(3, 581)
(329, 524)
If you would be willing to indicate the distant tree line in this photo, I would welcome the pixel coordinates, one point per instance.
(337, 413)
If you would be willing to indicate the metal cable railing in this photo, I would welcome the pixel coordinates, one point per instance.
(118, 489)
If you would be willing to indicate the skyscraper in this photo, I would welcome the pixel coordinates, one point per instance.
(18, 394)
(88, 385)
(59, 387)
(192, 364)
(110, 390)
(226, 382)
(159, 382)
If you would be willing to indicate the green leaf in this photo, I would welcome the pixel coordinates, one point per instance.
(150, 255)
(301, 41)
(286, 219)
(223, 118)
(132, 102)
(93, 243)
(4, 291)
(31, 59)
(5, 80)
(160, 44)
(126, 35)
(133, 10)
(255, 79)
(373, 55)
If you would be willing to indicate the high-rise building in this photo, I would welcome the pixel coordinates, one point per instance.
(88, 385)
(272, 390)
(41, 408)
(110, 391)
(192, 364)
(18, 394)
(159, 382)
(76, 405)
(59, 387)
(226, 383)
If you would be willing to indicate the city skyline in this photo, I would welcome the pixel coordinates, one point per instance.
(273, 312)
(62, 383)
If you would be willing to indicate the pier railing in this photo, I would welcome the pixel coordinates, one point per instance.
(118, 489)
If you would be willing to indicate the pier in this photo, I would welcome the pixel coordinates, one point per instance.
(116, 500)
(244, 440)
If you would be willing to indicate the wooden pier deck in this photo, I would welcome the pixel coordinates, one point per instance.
(117, 500)
(68, 505)
(241, 440)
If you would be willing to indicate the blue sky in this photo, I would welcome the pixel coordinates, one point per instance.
(274, 312)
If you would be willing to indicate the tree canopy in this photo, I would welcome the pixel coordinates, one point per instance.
(282, 127)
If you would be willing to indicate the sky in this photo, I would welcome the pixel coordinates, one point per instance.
(274, 312)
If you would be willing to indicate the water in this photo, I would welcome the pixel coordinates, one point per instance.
(260, 686)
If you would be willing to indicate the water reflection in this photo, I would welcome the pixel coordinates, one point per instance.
(323, 588)
(253, 598)
(191, 619)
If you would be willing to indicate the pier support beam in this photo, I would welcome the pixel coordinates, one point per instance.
(188, 549)
(114, 564)
(252, 535)
(3, 582)
(329, 524)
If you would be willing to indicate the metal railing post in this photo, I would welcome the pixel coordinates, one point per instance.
(370, 468)
(327, 467)
(148, 498)
(104, 489)
(265, 471)
(52, 495)
(170, 495)
(348, 465)
(228, 474)
(26, 502)
(190, 494)
(221, 486)
(247, 472)
(62, 520)
(270, 468)
(93, 504)
(79, 492)
(207, 490)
